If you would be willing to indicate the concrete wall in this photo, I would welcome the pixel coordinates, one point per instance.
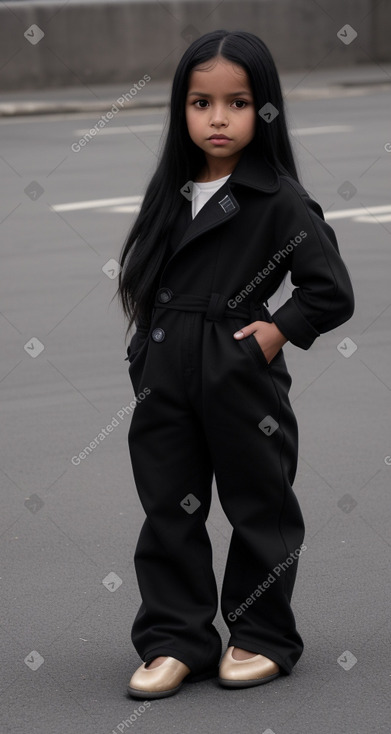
(118, 41)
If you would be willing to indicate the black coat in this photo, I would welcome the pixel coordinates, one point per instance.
(256, 227)
(208, 403)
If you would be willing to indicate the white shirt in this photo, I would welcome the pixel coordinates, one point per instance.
(204, 191)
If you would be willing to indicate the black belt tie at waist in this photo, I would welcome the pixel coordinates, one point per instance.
(215, 306)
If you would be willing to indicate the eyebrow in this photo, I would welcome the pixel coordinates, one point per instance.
(232, 94)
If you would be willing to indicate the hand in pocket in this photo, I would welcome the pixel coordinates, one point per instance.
(268, 336)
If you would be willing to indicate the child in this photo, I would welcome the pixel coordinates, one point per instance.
(223, 222)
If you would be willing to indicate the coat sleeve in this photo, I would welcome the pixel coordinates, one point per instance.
(323, 297)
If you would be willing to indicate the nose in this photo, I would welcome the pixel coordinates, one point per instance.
(218, 116)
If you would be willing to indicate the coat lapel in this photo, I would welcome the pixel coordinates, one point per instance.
(221, 206)
(251, 171)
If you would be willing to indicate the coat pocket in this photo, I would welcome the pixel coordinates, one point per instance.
(137, 360)
(251, 346)
(257, 350)
(136, 343)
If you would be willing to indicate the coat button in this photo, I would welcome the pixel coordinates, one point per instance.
(164, 295)
(158, 335)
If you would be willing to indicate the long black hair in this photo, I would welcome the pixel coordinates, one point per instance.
(181, 159)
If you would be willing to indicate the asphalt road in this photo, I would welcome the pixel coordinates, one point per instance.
(69, 525)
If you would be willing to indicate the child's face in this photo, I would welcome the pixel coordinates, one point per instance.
(220, 101)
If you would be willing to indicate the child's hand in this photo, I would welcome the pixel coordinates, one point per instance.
(268, 336)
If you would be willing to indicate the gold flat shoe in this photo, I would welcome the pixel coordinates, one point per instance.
(163, 680)
(245, 673)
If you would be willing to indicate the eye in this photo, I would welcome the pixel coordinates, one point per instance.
(240, 101)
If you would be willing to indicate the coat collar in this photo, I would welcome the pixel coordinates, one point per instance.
(252, 171)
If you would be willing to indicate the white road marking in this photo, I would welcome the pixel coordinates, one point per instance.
(320, 130)
(121, 130)
(355, 213)
(131, 205)
(98, 203)
(124, 209)
(370, 220)
(84, 114)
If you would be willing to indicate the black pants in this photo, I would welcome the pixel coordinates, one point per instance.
(208, 411)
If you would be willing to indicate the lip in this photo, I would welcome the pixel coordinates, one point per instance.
(219, 137)
(219, 140)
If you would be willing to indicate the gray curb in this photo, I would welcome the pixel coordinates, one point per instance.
(46, 107)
